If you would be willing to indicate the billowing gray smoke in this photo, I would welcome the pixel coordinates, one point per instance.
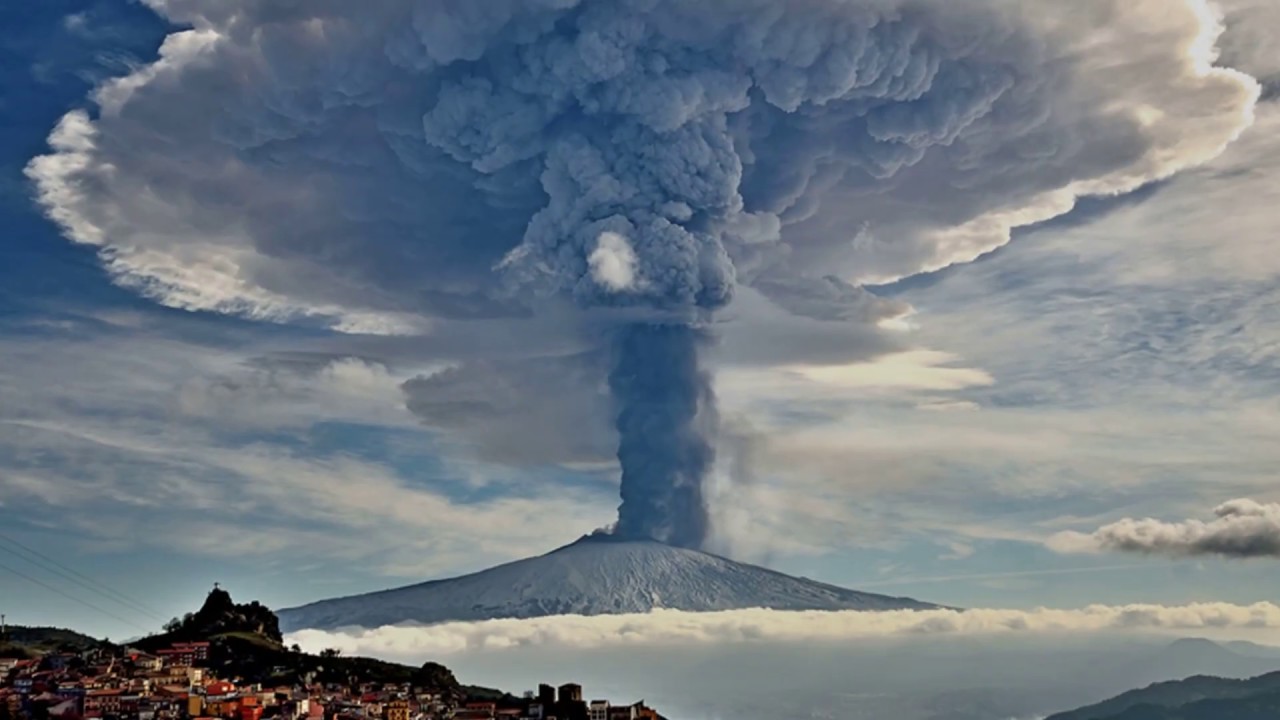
(646, 122)
(384, 167)
(666, 419)
(673, 134)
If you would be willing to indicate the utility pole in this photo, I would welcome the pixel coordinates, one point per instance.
(3, 627)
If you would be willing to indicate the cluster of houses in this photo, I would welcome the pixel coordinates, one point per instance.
(175, 684)
(563, 703)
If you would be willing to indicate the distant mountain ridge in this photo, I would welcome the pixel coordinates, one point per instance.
(594, 576)
(1253, 650)
(1195, 698)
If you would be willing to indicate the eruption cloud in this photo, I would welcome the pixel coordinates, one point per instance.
(666, 422)
(379, 168)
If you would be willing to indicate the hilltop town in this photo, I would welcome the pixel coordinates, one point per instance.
(228, 662)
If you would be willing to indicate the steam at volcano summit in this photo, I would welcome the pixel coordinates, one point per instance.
(378, 167)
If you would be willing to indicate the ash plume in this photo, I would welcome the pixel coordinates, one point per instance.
(666, 424)
(387, 168)
(639, 130)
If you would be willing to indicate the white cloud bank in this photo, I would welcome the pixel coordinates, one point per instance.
(666, 627)
(1242, 529)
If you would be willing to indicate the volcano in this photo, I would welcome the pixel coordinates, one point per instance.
(597, 575)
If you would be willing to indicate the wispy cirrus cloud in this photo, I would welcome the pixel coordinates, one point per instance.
(222, 453)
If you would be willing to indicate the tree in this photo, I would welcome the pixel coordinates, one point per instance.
(330, 653)
(434, 676)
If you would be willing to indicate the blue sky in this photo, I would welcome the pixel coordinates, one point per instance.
(168, 426)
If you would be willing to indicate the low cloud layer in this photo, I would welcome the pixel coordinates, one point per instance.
(1242, 529)
(663, 627)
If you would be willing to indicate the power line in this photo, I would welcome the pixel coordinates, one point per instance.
(81, 579)
(87, 584)
(87, 604)
(70, 578)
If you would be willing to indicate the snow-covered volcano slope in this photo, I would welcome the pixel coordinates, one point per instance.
(594, 576)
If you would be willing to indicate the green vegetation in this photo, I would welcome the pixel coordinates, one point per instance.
(32, 642)
(220, 616)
